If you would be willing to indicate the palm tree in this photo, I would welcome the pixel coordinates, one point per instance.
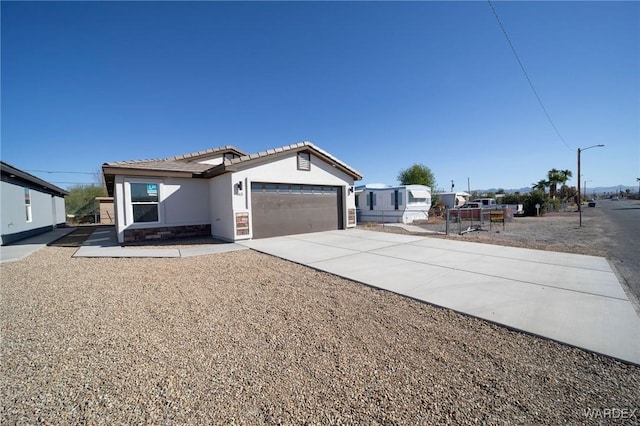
(555, 177)
(542, 184)
(565, 175)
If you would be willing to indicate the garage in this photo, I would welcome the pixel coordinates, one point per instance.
(286, 209)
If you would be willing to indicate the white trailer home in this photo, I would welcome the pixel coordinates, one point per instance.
(453, 199)
(392, 204)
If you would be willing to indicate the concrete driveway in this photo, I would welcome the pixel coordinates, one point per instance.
(570, 298)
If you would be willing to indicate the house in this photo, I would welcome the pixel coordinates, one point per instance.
(29, 205)
(230, 195)
(391, 204)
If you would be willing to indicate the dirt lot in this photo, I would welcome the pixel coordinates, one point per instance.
(245, 338)
(554, 231)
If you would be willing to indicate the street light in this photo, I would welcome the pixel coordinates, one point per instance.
(579, 194)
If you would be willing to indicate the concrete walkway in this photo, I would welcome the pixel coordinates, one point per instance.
(104, 243)
(570, 298)
(23, 248)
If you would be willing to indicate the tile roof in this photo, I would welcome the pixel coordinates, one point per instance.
(178, 163)
(187, 162)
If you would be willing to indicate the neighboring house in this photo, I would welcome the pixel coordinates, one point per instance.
(453, 199)
(107, 213)
(232, 196)
(29, 205)
(393, 204)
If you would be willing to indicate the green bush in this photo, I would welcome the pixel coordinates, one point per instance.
(81, 201)
(535, 197)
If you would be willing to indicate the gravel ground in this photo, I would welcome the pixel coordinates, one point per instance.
(245, 338)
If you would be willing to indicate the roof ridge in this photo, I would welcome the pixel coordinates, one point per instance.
(205, 152)
(180, 156)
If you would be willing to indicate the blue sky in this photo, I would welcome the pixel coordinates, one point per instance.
(380, 85)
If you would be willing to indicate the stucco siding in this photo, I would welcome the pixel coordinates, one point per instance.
(186, 201)
(285, 170)
(181, 202)
(220, 202)
(13, 217)
(59, 213)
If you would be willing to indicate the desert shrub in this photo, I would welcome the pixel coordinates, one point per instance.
(535, 197)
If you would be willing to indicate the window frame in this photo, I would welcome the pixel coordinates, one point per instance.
(155, 203)
(27, 205)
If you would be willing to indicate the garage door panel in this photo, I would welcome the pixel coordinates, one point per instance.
(314, 209)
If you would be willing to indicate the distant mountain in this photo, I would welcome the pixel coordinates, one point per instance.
(597, 189)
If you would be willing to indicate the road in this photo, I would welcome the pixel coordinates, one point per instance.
(623, 244)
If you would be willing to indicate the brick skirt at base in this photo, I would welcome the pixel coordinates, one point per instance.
(166, 233)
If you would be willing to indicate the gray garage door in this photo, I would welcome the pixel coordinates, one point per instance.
(283, 209)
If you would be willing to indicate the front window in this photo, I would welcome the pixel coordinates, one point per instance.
(27, 204)
(144, 200)
(418, 196)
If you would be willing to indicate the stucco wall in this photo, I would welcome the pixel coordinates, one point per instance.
(182, 202)
(185, 201)
(285, 170)
(60, 216)
(13, 217)
(220, 203)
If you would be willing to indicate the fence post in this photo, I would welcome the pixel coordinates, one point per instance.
(504, 217)
(446, 222)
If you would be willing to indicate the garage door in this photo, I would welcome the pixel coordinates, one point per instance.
(283, 209)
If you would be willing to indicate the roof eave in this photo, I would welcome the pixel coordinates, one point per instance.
(12, 171)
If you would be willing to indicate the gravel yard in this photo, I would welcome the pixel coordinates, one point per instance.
(245, 338)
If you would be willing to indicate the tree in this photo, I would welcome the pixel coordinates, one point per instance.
(565, 175)
(81, 201)
(541, 185)
(554, 177)
(567, 192)
(557, 177)
(418, 174)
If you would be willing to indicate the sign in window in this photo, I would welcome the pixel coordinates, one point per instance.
(144, 201)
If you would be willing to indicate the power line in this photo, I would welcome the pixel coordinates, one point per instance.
(74, 183)
(50, 171)
(513, 49)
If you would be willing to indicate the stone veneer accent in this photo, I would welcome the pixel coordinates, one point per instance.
(166, 233)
